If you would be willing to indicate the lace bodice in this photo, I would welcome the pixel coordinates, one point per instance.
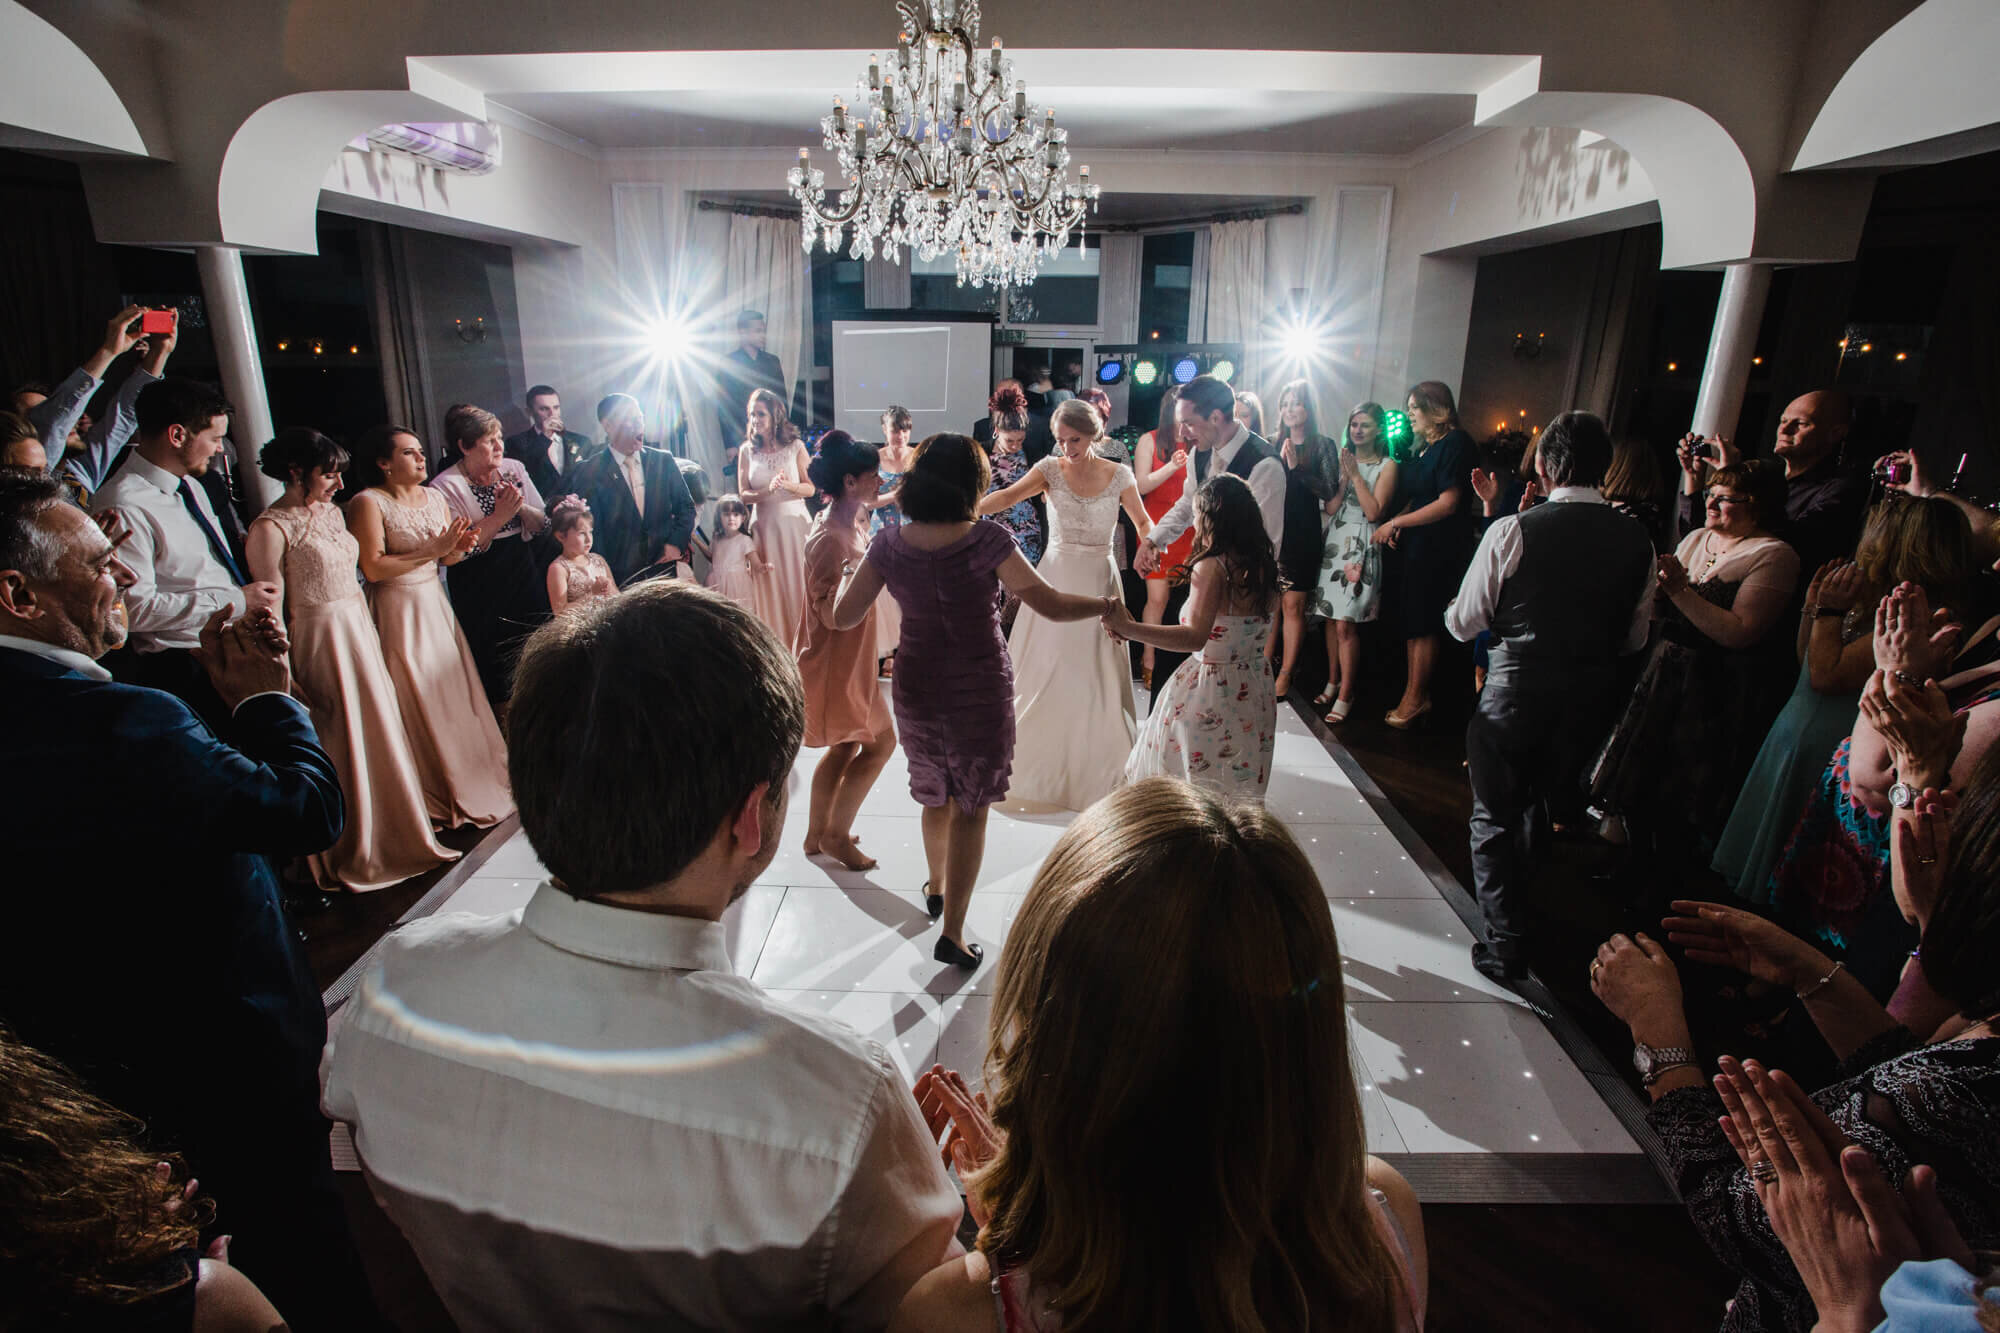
(1076, 520)
(405, 527)
(321, 556)
(768, 464)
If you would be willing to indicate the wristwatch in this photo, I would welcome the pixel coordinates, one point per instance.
(1653, 1061)
(1902, 795)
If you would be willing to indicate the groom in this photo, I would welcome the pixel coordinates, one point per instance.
(1205, 418)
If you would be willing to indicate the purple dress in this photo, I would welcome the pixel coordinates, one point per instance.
(954, 683)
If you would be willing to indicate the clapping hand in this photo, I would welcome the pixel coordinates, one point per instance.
(506, 501)
(1840, 586)
(1485, 485)
(1722, 936)
(1922, 837)
(242, 658)
(1827, 1200)
(1636, 980)
(1916, 723)
(457, 536)
(1530, 493)
(1910, 638)
(1289, 452)
(970, 1139)
(1671, 573)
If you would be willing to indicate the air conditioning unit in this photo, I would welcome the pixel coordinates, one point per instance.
(467, 148)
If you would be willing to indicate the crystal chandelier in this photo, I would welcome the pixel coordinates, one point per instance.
(945, 154)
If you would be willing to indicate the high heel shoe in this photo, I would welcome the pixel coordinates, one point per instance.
(1402, 721)
(1325, 696)
(968, 958)
(1339, 711)
(1146, 676)
(933, 902)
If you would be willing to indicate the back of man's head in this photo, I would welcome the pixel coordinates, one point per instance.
(170, 402)
(637, 728)
(1574, 450)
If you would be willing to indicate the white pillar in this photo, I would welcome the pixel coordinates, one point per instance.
(228, 299)
(1726, 374)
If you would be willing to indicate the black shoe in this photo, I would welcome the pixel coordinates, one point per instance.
(967, 958)
(933, 902)
(1493, 967)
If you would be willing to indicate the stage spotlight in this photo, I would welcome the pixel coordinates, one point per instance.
(1110, 370)
(1145, 371)
(1224, 370)
(1395, 432)
(671, 339)
(1186, 369)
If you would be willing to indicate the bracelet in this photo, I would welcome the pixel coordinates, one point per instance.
(1908, 679)
(1819, 985)
(1650, 1079)
(1828, 611)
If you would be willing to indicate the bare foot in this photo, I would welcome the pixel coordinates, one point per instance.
(842, 849)
(813, 842)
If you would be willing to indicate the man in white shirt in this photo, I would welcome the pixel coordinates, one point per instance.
(183, 570)
(1566, 588)
(1206, 419)
(576, 1113)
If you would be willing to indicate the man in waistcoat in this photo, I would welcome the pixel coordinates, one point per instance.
(1566, 588)
(1206, 419)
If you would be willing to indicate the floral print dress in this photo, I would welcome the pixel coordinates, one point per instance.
(1020, 519)
(1216, 722)
(1350, 568)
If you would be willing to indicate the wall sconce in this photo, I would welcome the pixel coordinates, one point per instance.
(1529, 348)
(475, 332)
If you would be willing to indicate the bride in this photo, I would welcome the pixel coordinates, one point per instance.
(1074, 718)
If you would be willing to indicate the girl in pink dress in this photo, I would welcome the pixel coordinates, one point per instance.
(1169, 1182)
(301, 543)
(733, 562)
(577, 576)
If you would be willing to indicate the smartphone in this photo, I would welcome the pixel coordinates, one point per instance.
(156, 321)
(1892, 472)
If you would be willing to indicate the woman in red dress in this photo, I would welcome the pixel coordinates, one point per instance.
(1161, 468)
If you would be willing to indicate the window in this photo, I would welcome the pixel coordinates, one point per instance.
(1166, 282)
(1063, 293)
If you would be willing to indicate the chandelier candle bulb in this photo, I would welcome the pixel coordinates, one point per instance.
(1021, 103)
(874, 72)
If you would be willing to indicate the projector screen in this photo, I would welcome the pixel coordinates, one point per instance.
(939, 369)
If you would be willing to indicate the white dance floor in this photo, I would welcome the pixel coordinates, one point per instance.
(1464, 1085)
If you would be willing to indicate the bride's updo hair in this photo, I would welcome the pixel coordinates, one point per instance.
(1079, 416)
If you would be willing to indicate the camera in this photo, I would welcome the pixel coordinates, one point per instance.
(1892, 471)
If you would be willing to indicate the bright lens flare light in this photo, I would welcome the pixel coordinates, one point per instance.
(671, 339)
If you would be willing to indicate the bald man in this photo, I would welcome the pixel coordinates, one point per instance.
(1824, 501)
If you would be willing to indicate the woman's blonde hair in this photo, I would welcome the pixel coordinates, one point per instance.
(1079, 416)
(1920, 540)
(1168, 1061)
(1634, 474)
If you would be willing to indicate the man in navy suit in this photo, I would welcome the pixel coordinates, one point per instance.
(644, 513)
(145, 946)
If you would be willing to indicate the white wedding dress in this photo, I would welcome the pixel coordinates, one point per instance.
(1074, 718)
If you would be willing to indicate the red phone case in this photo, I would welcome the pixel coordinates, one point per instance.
(157, 321)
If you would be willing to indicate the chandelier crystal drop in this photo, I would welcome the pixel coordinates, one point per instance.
(943, 152)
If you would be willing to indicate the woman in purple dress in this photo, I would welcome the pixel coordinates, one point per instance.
(954, 685)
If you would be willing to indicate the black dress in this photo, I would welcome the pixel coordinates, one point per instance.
(1431, 559)
(500, 595)
(1308, 487)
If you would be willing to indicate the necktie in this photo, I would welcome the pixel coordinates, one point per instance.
(635, 477)
(216, 546)
(1200, 465)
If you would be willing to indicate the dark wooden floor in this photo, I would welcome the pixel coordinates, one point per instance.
(1569, 1269)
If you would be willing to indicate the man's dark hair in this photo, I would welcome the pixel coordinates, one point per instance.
(610, 403)
(189, 404)
(945, 481)
(1575, 450)
(540, 391)
(1209, 396)
(620, 783)
(31, 386)
(26, 497)
(748, 317)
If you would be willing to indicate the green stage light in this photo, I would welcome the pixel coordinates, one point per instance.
(1223, 370)
(1396, 432)
(1145, 372)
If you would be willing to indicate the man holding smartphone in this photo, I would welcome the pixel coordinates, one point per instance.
(1824, 501)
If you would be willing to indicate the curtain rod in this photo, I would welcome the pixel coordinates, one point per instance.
(1241, 215)
(746, 210)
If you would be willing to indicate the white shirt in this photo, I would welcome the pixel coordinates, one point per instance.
(178, 582)
(1499, 556)
(633, 465)
(558, 454)
(62, 657)
(1267, 484)
(581, 1119)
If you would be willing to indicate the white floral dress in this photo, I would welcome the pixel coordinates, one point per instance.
(1350, 569)
(1216, 722)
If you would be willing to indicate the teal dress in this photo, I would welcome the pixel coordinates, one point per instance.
(1782, 780)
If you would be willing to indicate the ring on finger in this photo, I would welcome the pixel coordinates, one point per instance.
(1764, 1171)
(1596, 966)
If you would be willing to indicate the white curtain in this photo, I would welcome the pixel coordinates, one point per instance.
(1236, 290)
(1198, 290)
(767, 271)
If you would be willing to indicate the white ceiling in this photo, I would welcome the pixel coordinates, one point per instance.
(1253, 120)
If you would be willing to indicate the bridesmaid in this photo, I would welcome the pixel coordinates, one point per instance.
(405, 531)
(1311, 479)
(896, 455)
(301, 545)
(772, 465)
(954, 693)
(845, 710)
(497, 590)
